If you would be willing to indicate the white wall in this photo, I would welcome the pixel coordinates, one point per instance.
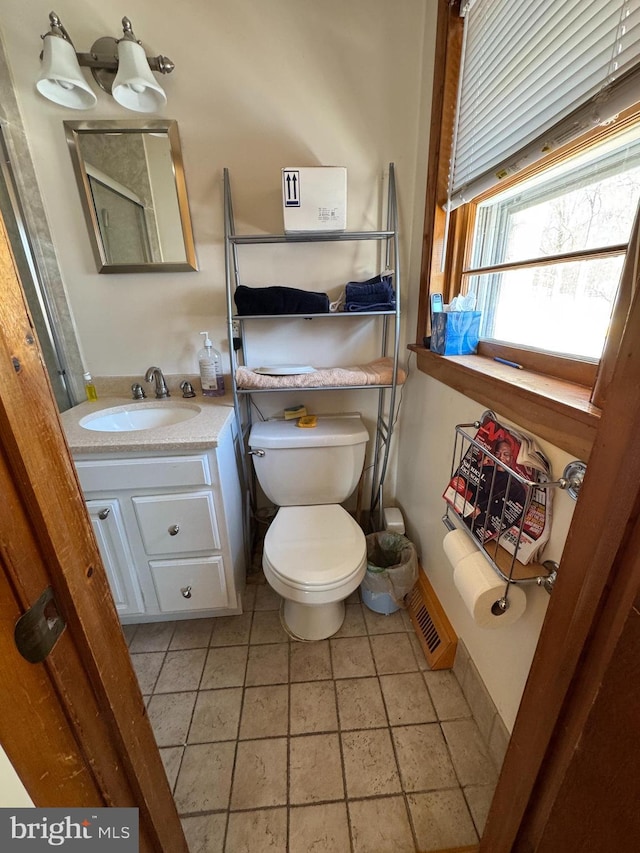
(428, 418)
(13, 794)
(257, 86)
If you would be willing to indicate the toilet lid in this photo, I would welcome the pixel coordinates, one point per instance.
(314, 545)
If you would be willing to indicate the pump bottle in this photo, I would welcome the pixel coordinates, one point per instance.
(90, 388)
(210, 364)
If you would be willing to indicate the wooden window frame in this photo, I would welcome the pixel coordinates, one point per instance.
(552, 380)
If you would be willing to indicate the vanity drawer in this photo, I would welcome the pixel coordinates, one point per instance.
(173, 524)
(197, 584)
(105, 475)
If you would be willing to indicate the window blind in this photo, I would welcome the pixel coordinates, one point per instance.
(534, 75)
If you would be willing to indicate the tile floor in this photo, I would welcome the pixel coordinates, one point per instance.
(347, 745)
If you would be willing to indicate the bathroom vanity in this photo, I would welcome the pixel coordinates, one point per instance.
(165, 504)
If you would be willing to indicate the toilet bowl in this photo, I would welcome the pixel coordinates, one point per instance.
(314, 557)
(315, 554)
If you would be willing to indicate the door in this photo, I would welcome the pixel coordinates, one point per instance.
(74, 726)
(570, 773)
(122, 222)
(12, 211)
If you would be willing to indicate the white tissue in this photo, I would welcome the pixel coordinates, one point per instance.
(457, 545)
(480, 588)
(463, 303)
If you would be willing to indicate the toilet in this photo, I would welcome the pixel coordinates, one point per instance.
(315, 554)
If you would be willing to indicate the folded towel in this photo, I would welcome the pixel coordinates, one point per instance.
(377, 284)
(378, 372)
(279, 300)
(369, 298)
(374, 306)
(376, 294)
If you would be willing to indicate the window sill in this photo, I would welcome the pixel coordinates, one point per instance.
(555, 410)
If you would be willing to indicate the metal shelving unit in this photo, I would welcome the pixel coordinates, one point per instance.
(389, 336)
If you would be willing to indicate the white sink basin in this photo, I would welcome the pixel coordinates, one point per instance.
(149, 416)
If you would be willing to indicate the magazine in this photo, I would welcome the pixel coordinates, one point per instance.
(492, 502)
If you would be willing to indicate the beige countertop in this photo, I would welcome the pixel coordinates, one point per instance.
(198, 433)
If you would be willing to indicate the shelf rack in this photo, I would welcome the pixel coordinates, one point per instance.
(503, 562)
(389, 337)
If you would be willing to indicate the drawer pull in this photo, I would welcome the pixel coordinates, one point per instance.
(104, 513)
(174, 530)
(186, 591)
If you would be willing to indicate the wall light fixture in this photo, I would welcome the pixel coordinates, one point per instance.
(119, 66)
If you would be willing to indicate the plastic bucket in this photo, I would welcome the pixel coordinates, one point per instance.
(392, 567)
(379, 602)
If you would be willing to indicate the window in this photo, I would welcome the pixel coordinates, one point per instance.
(540, 236)
(559, 240)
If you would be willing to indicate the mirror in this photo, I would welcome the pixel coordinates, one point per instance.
(134, 196)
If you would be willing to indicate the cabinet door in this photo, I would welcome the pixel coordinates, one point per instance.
(190, 585)
(108, 527)
(174, 524)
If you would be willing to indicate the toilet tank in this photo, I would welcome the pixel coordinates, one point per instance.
(306, 466)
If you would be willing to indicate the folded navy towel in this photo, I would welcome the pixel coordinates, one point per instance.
(279, 300)
(377, 284)
(376, 294)
(370, 298)
(374, 306)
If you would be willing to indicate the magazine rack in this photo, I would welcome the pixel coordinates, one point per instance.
(507, 566)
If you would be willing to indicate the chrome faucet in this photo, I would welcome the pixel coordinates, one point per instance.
(154, 373)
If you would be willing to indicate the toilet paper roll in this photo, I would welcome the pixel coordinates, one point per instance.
(457, 546)
(393, 520)
(480, 589)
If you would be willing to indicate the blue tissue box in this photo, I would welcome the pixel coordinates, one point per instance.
(455, 332)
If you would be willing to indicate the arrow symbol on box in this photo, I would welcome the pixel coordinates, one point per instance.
(291, 189)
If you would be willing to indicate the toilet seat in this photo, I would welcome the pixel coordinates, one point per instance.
(315, 548)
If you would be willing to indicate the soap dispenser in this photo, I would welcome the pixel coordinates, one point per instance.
(210, 364)
(90, 388)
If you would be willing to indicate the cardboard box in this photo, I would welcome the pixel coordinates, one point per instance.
(314, 198)
(455, 332)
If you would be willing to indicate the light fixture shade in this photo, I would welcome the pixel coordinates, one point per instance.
(135, 87)
(61, 79)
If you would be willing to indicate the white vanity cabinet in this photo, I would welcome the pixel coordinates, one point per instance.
(169, 530)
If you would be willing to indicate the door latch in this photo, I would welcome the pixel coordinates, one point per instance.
(37, 630)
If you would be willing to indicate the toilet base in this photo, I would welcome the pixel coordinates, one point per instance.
(313, 622)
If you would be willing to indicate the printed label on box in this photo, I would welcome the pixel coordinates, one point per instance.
(314, 198)
(327, 214)
(291, 187)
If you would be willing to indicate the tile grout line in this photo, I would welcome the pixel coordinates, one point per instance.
(232, 780)
(153, 693)
(403, 792)
(288, 791)
(341, 747)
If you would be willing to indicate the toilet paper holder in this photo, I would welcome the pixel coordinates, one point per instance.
(546, 580)
(507, 498)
